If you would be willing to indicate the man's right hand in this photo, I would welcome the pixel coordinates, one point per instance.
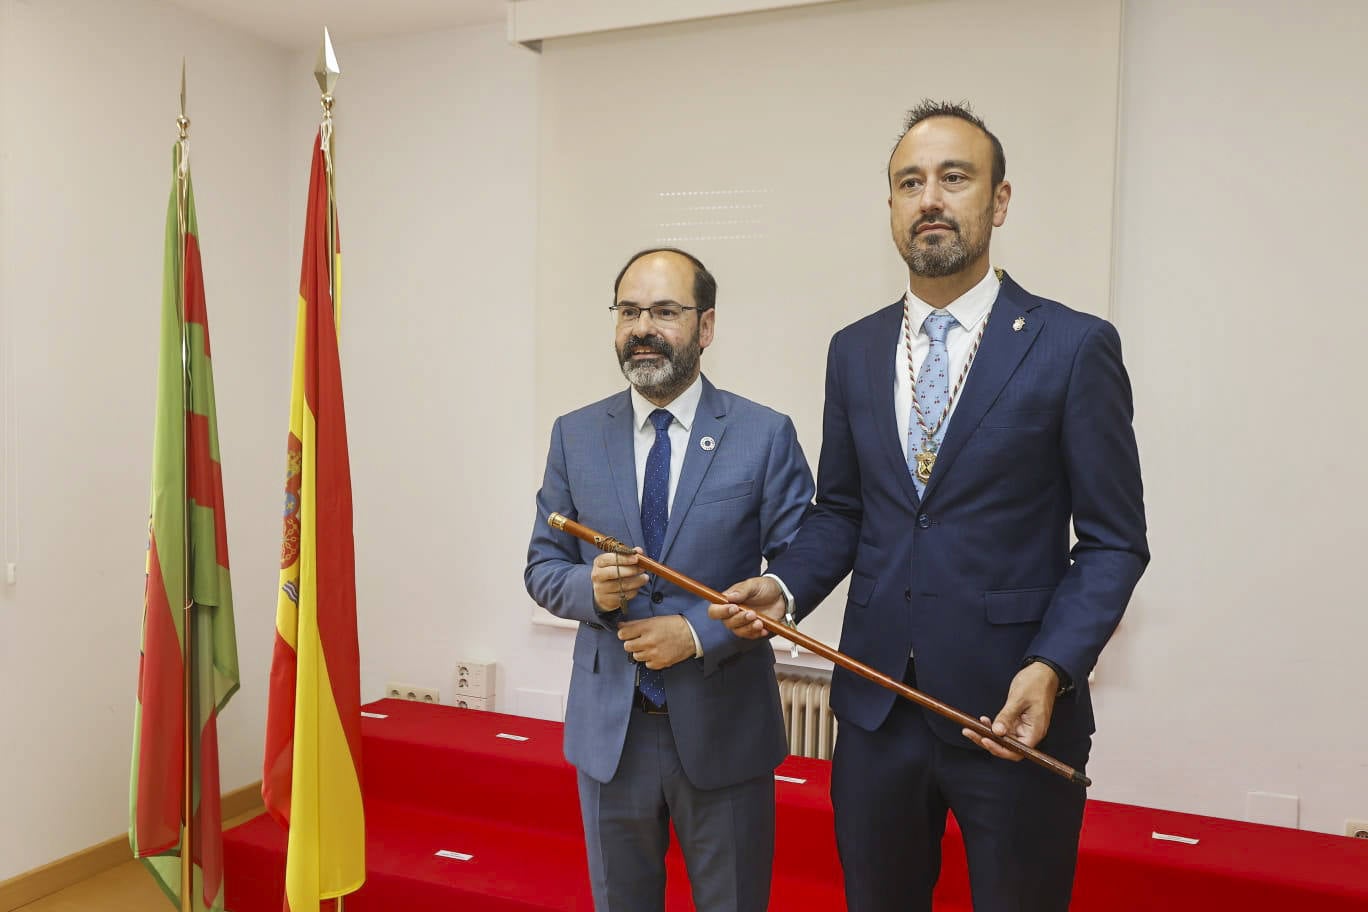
(616, 578)
(746, 599)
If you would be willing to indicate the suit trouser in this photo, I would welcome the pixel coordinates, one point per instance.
(726, 834)
(891, 789)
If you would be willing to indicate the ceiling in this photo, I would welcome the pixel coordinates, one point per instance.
(297, 24)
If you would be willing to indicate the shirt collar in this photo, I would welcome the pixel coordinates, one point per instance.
(968, 309)
(683, 407)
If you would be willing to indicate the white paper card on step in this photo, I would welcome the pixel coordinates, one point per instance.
(508, 737)
(366, 715)
(1185, 840)
(454, 856)
(779, 778)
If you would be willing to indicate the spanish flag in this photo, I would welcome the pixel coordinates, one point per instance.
(311, 782)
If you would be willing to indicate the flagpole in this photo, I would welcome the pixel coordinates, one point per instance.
(326, 72)
(187, 856)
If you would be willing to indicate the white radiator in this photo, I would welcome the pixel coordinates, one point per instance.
(811, 727)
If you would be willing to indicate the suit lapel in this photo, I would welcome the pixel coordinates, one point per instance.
(880, 362)
(619, 447)
(709, 421)
(1003, 347)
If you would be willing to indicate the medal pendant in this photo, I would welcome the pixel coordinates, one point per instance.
(925, 463)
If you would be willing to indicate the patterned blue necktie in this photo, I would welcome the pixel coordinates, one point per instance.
(933, 391)
(655, 515)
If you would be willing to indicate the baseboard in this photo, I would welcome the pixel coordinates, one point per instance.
(30, 886)
(239, 802)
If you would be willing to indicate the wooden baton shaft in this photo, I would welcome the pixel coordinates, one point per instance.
(612, 545)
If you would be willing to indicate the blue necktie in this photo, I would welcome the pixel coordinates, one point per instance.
(655, 515)
(933, 391)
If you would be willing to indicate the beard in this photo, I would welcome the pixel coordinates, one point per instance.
(665, 376)
(940, 256)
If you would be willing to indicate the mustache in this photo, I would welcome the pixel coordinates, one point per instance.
(935, 219)
(651, 343)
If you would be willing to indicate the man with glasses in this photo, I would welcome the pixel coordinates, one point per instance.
(669, 716)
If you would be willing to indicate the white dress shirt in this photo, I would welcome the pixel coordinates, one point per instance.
(683, 407)
(969, 310)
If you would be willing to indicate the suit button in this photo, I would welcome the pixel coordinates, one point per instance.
(657, 597)
(907, 595)
(924, 521)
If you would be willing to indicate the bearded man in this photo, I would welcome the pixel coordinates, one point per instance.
(669, 716)
(967, 426)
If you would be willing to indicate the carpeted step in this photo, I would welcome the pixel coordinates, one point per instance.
(1122, 867)
(468, 763)
(510, 869)
(497, 787)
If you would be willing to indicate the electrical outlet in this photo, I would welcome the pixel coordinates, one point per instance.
(410, 692)
(475, 679)
(1356, 828)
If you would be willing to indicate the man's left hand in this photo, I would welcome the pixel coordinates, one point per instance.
(1026, 714)
(658, 642)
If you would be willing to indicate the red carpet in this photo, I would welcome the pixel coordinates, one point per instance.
(440, 779)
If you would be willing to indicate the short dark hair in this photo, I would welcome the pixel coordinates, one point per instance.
(704, 288)
(927, 109)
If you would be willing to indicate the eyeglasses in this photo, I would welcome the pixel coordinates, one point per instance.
(660, 313)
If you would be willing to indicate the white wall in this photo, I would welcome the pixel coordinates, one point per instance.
(88, 100)
(436, 156)
(1238, 189)
(1239, 299)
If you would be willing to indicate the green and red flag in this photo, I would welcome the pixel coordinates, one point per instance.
(187, 562)
(311, 780)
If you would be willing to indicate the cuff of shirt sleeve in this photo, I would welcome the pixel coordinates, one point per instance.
(788, 596)
(698, 645)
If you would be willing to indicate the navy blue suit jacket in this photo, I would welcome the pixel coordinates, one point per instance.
(734, 504)
(978, 574)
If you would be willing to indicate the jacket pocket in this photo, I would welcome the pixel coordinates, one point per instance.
(1019, 419)
(1017, 606)
(586, 650)
(861, 588)
(724, 492)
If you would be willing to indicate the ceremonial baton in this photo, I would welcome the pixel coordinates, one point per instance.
(613, 546)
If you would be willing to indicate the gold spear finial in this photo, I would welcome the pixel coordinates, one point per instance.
(326, 69)
(183, 122)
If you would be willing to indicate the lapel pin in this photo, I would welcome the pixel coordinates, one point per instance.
(1019, 324)
(708, 444)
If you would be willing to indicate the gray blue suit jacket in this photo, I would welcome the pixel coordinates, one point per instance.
(734, 504)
